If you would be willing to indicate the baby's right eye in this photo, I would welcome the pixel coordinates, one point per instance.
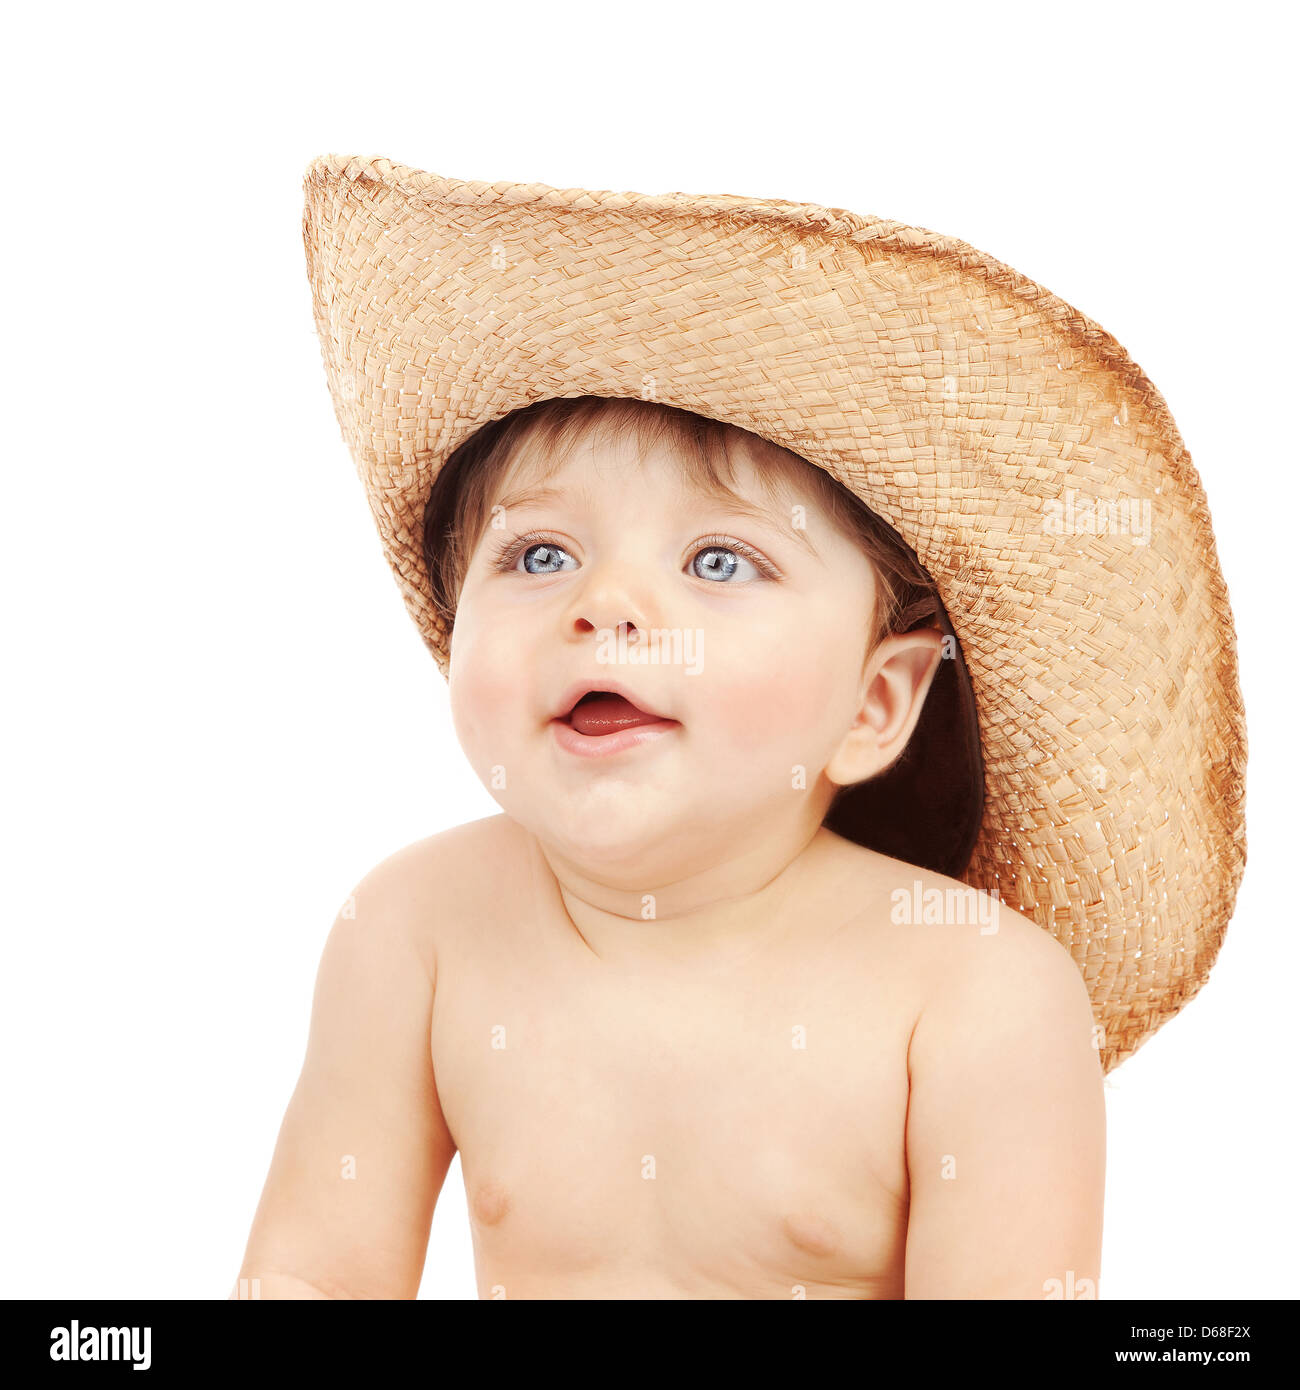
(539, 557)
(545, 556)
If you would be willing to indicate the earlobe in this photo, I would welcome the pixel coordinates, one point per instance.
(895, 683)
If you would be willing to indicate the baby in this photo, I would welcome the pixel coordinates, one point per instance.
(688, 1041)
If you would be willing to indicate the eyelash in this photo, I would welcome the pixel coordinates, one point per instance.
(508, 552)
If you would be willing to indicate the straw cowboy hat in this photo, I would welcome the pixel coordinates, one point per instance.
(1009, 439)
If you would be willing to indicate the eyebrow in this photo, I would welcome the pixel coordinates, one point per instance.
(530, 496)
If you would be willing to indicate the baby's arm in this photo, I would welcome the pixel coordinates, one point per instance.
(363, 1149)
(1006, 1125)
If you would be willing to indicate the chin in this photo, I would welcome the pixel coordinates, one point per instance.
(602, 835)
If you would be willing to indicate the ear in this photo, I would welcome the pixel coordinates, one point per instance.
(895, 682)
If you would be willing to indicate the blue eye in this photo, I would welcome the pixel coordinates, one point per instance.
(720, 557)
(718, 560)
(717, 563)
(538, 556)
(545, 555)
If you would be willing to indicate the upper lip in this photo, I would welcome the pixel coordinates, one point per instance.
(578, 689)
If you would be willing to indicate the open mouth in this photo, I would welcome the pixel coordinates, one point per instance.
(601, 712)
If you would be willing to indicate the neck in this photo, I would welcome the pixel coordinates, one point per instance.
(738, 899)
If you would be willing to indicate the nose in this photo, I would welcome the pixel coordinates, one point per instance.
(613, 597)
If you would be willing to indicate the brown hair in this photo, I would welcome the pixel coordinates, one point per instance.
(457, 511)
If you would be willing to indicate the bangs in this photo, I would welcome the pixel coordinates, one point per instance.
(548, 433)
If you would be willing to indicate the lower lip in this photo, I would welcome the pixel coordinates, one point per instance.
(605, 745)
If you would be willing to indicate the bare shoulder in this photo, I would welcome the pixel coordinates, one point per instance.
(428, 887)
(993, 979)
(1005, 1092)
(950, 924)
(452, 861)
(967, 951)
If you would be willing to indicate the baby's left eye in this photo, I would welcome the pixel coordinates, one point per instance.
(719, 563)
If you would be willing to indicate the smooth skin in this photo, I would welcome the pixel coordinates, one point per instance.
(767, 1088)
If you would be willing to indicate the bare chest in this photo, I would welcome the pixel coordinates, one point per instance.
(725, 1133)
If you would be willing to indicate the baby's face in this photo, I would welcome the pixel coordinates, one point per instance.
(760, 637)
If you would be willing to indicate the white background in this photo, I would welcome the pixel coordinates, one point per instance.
(218, 715)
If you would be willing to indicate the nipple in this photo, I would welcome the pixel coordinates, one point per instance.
(490, 1203)
(812, 1234)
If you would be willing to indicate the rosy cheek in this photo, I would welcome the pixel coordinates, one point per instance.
(487, 693)
(781, 696)
(766, 710)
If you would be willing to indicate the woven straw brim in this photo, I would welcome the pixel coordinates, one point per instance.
(984, 418)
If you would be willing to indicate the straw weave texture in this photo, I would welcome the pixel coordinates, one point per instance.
(961, 401)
